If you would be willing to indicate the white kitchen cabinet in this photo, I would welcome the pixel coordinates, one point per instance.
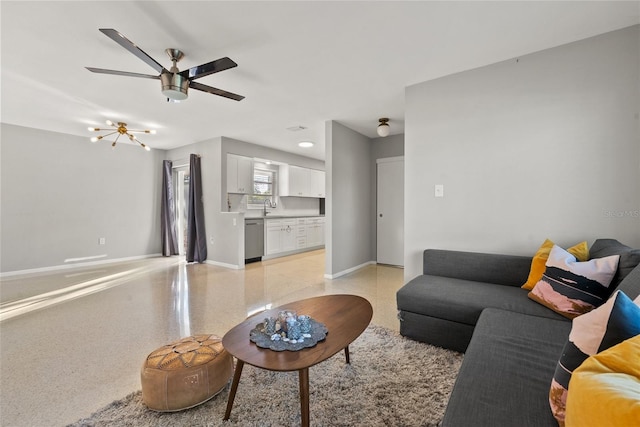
(290, 235)
(301, 233)
(281, 236)
(316, 183)
(239, 174)
(301, 182)
(272, 241)
(315, 232)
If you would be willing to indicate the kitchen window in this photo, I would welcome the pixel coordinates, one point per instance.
(263, 188)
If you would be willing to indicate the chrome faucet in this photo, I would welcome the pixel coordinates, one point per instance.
(264, 205)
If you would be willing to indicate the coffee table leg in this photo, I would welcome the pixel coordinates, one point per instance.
(304, 396)
(346, 354)
(234, 388)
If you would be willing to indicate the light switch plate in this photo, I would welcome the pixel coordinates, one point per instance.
(438, 190)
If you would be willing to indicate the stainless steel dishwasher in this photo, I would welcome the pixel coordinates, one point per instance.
(253, 239)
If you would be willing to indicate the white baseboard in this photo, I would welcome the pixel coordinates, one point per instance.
(74, 265)
(347, 271)
(224, 264)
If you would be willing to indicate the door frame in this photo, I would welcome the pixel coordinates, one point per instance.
(377, 212)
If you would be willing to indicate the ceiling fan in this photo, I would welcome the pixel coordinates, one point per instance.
(175, 83)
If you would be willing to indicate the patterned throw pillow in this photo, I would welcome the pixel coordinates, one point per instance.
(572, 288)
(579, 250)
(610, 324)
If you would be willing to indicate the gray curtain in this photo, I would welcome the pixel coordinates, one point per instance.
(168, 214)
(196, 235)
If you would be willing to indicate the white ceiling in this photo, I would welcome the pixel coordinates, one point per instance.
(299, 63)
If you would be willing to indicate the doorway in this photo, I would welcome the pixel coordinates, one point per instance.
(181, 185)
(390, 211)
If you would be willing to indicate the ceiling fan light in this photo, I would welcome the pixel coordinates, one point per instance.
(174, 86)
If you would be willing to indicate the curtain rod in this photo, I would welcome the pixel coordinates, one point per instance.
(180, 163)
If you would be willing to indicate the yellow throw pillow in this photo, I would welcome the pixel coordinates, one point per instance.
(538, 264)
(605, 389)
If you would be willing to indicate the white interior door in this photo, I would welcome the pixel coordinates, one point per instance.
(390, 211)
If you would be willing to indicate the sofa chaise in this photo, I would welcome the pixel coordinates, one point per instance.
(473, 303)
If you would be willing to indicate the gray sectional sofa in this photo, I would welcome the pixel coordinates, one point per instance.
(473, 303)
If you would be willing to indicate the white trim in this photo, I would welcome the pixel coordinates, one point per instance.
(76, 265)
(347, 271)
(224, 264)
(390, 159)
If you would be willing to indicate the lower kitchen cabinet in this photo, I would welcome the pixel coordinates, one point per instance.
(283, 236)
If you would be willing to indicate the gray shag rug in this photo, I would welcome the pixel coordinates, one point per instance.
(391, 381)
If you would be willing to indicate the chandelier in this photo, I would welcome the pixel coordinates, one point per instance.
(120, 129)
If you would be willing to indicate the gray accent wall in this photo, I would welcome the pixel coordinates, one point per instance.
(348, 203)
(60, 194)
(546, 145)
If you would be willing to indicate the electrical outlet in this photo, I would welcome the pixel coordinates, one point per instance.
(439, 190)
(102, 241)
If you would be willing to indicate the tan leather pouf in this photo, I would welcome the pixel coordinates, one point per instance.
(185, 373)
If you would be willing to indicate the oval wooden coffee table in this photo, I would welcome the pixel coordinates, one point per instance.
(345, 316)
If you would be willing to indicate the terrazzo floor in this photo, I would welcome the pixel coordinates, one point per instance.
(72, 341)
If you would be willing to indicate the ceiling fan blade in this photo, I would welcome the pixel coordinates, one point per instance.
(215, 91)
(208, 68)
(131, 47)
(122, 73)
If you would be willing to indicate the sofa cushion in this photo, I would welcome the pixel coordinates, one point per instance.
(611, 378)
(629, 258)
(631, 284)
(610, 324)
(509, 270)
(506, 371)
(572, 288)
(462, 301)
(579, 250)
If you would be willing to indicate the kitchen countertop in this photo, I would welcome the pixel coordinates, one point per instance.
(284, 216)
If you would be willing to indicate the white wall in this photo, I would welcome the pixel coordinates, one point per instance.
(60, 194)
(545, 145)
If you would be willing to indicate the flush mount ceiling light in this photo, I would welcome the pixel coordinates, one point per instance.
(121, 129)
(305, 144)
(383, 127)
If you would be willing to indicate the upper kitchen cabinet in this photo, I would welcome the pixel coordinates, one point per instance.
(239, 174)
(301, 182)
(316, 183)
